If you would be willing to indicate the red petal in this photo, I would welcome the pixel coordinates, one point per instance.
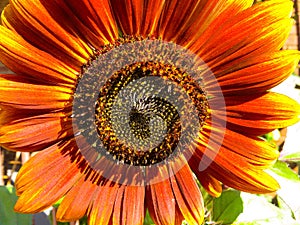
(152, 13)
(129, 15)
(175, 14)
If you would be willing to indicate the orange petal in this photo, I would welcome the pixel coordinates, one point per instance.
(210, 184)
(188, 196)
(171, 19)
(259, 29)
(92, 19)
(249, 152)
(44, 179)
(252, 181)
(129, 206)
(256, 182)
(28, 61)
(238, 162)
(34, 133)
(133, 205)
(275, 62)
(256, 74)
(260, 114)
(101, 209)
(178, 216)
(191, 18)
(37, 22)
(161, 203)
(76, 202)
(17, 93)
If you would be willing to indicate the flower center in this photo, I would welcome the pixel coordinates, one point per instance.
(143, 110)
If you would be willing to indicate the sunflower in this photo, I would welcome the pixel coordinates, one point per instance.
(127, 102)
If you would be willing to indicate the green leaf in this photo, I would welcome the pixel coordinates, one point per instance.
(7, 214)
(270, 137)
(148, 220)
(6, 204)
(227, 207)
(62, 223)
(282, 169)
(83, 221)
(293, 157)
(57, 204)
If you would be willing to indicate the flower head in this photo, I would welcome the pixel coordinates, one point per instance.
(125, 101)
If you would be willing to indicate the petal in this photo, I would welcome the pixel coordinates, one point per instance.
(35, 132)
(248, 152)
(28, 61)
(260, 114)
(210, 184)
(152, 12)
(174, 15)
(35, 21)
(161, 203)
(256, 74)
(96, 16)
(103, 204)
(129, 206)
(171, 19)
(239, 162)
(188, 196)
(76, 202)
(129, 15)
(17, 93)
(44, 179)
(133, 205)
(259, 29)
(178, 216)
(187, 21)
